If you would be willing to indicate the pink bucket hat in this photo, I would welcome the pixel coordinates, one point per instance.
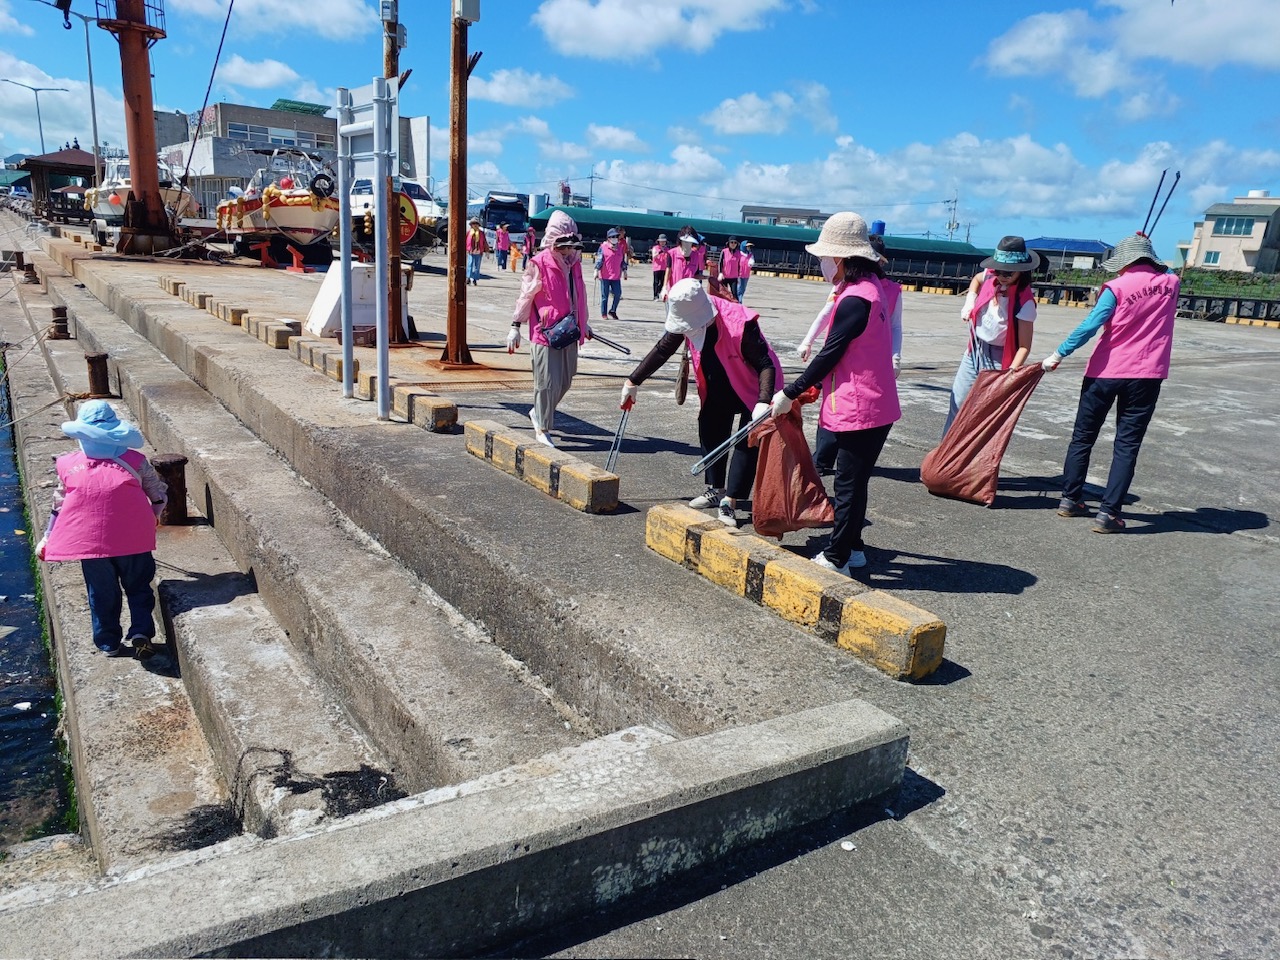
(561, 226)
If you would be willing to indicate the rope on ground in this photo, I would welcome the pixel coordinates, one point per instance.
(61, 399)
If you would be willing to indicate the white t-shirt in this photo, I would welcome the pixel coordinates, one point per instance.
(994, 322)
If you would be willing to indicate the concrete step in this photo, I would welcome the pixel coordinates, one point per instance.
(442, 702)
(288, 753)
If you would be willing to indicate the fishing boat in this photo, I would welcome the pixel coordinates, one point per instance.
(106, 201)
(290, 196)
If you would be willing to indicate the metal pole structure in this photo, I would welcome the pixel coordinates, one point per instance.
(382, 180)
(93, 101)
(36, 91)
(455, 346)
(344, 242)
(391, 70)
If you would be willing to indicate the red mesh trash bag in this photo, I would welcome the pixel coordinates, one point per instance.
(788, 493)
(966, 464)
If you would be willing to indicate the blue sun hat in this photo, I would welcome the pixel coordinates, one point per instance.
(101, 433)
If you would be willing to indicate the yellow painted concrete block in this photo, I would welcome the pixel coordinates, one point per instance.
(667, 528)
(584, 486)
(736, 561)
(892, 635)
(793, 587)
(503, 455)
(475, 431)
(542, 466)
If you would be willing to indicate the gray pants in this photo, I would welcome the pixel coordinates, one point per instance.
(553, 372)
(983, 356)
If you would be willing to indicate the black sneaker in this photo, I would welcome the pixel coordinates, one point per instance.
(612, 315)
(1072, 508)
(143, 648)
(1104, 523)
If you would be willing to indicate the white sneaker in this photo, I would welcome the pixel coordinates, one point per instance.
(822, 561)
(543, 439)
(710, 497)
(726, 514)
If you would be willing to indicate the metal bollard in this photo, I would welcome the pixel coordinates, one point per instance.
(99, 381)
(58, 328)
(18, 262)
(29, 274)
(172, 468)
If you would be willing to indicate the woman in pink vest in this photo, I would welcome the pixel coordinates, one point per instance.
(105, 512)
(855, 371)
(502, 245)
(736, 372)
(550, 290)
(731, 265)
(1135, 313)
(685, 261)
(530, 244)
(748, 261)
(611, 268)
(477, 246)
(660, 256)
(997, 342)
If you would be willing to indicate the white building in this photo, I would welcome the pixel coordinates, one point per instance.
(1241, 235)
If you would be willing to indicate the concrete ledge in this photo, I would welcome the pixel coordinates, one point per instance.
(479, 871)
(581, 485)
(892, 635)
(420, 406)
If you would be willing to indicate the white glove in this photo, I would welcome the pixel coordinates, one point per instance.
(805, 346)
(628, 398)
(513, 340)
(1051, 362)
(40, 548)
(759, 410)
(781, 405)
(897, 366)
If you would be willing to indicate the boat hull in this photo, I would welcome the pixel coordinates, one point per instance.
(299, 217)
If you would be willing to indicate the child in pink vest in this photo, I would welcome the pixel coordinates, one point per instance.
(105, 513)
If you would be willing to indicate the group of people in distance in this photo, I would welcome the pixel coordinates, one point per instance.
(740, 379)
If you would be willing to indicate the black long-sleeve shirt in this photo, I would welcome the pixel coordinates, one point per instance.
(755, 350)
(852, 314)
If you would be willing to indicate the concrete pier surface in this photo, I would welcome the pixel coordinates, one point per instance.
(1092, 770)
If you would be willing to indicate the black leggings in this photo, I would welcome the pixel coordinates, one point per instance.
(715, 424)
(856, 454)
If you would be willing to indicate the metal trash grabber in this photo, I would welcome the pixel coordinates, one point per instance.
(611, 343)
(617, 439)
(725, 447)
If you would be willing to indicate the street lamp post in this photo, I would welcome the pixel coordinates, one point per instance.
(37, 91)
(93, 103)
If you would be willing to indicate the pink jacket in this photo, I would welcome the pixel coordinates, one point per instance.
(476, 242)
(105, 513)
(731, 319)
(552, 302)
(861, 392)
(1138, 339)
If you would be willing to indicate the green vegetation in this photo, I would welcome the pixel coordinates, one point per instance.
(1195, 282)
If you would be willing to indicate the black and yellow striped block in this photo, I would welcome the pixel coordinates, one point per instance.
(581, 485)
(892, 635)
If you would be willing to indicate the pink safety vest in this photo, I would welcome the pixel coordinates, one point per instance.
(746, 265)
(611, 260)
(861, 393)
(682, 267)
(1138, 339)
(502, 240)
(731, 319)
(106, 512)
(552, 302)
(699, 258)
(660, 256)
(476, 242)
(987, 293)
(730, 264)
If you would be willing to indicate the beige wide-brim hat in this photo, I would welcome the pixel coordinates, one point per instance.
(1131, 250)
(689, 309)
(844, 235)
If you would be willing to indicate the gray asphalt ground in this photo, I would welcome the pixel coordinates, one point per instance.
(1093, 771)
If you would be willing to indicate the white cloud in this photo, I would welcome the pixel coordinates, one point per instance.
(635, 29)
(1204, 33)
(518, 88)
(1060, 43)
(683, 135)
(10, 25)
(333, 19)
(751, 113)
(258, 76)
(309, 92)
(614, 138)
(64, 116)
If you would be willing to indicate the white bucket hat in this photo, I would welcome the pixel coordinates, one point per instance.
(1129, 251)
(844, 235)
(689, 309)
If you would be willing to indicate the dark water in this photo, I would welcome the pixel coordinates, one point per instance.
(33, 791)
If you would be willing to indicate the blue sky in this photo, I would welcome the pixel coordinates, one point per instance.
(1042, 118)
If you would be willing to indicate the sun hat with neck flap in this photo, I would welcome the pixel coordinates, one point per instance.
(689, 310)
(844, 235)
(101, 433)
(562, 231)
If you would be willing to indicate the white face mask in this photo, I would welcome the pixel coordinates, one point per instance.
(829, 265)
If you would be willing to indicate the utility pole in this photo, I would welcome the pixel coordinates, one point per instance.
(456, 351)
(391, 70)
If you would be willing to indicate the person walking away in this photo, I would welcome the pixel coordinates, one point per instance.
(530, 244)
(660, 257)
(106, 509)
(731, 267)
(995, 341)
(855, 371)
(502, 245)
(551, 289)
(736, 372)
(610, 268)
(1135, 313)
(748, 264)
(477, 247)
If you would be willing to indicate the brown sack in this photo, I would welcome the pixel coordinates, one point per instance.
(966, 464)
(788, 493)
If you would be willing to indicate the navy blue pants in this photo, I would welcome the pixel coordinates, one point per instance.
(1135, 402)
(107, 579)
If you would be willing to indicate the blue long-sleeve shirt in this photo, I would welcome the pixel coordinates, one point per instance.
(1100, 314)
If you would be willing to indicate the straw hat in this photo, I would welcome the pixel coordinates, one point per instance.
(844, 235)
(1012, 256)
(1129, 251)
